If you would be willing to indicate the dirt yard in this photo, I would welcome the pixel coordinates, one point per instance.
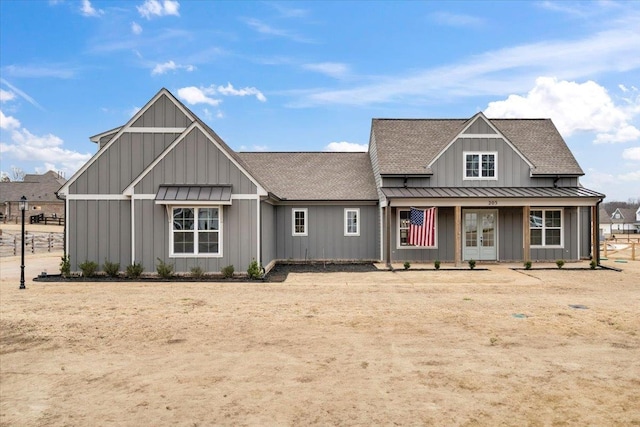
(496, 347)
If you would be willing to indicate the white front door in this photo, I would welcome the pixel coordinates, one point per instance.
(479, 235)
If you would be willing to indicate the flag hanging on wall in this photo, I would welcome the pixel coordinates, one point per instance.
(422, 227)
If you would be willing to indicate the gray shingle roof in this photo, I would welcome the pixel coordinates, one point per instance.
(36, 188)
(314, 175)
(407, 146)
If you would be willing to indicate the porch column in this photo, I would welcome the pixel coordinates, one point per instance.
(595, 234)
(526, 234)
(387, 234)
(457, 213)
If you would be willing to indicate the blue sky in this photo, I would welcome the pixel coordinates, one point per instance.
(310, 76)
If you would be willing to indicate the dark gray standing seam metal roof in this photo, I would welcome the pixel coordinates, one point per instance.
(194, 193)
(492, 192)
(314, 175)
(407, 146)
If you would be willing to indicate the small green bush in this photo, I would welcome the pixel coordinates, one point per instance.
(134, 270)
(527, 265)
(164, 269)
(254, 271)
(407, 265)
(560, 263)
(65, 266)
(472, 264)
(197, 272)
(593, 264)
(88, 268)
(227, 272)
(436, 264)
(111, 268)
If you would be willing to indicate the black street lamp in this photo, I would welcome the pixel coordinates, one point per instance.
(23, 207)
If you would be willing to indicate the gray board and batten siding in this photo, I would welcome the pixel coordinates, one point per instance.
(325, 239)
(195, 160)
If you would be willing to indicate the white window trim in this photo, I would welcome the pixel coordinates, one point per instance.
(398, 242)
(543, 228)
(480, 178)
(346, 222)
(306, 221)
(195, 242)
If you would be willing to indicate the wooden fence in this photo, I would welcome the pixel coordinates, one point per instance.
(35, 242)
(620, 250)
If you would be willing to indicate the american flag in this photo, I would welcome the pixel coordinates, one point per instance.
(422, 227)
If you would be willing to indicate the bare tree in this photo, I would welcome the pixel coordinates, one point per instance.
(18, 174)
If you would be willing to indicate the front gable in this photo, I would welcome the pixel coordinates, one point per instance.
(195, 158)
(479, 143)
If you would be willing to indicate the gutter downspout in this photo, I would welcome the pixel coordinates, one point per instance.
(64, 230)
(597, 225)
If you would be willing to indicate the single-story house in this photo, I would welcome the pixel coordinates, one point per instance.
(165, 185)
(40, 191)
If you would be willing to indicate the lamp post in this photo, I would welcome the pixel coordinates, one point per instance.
(23, 207)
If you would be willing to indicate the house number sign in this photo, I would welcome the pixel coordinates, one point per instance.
(493, 202)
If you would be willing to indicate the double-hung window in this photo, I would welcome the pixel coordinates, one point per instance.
(546, 227)
(196, 231)
(299, 222)
(480, 165)
(352, 222)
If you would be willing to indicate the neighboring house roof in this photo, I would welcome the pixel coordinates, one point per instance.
(407, 146)
(314, 175)
(36, 188)
(605, 217)
(627, 216)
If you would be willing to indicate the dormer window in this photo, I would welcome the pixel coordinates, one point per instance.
(480, 165)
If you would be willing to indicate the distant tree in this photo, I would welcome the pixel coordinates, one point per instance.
(18, 174)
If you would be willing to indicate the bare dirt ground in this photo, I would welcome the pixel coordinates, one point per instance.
(496, 347)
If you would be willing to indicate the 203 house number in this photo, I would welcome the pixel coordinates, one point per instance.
(493, 203)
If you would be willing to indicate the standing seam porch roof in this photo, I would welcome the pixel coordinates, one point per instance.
(493, 192)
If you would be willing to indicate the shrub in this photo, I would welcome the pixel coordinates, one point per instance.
(227, 272)
(527, 265)
(134, 270)
(560, 263)
(111, 268)
(593, 264)
(88, 268)
(407, 265)
(65, 266)
(164, 270)
(472, 264)
(436, 264)
(197, 272)
(254, 271)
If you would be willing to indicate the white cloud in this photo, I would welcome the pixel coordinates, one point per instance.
(136, 28)
(499, 72)
(193, 95)
(133, 111)
(88, 10)
(345, 146)
(8, 122)
(170, 66)
(632, 153)
(6, 95)
(151, 8)
(254, 148)
(229, 90)
(573, 107)
(266, 29)
(205, 95)
(27, 147)
(332, 69)
(631, 176)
